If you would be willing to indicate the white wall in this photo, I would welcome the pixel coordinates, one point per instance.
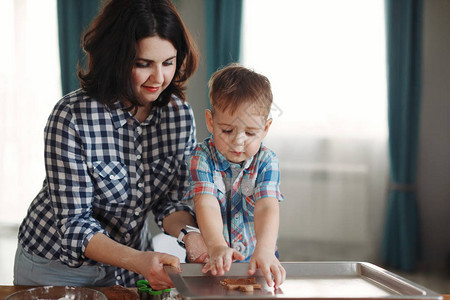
(434, 151)
(193, 14)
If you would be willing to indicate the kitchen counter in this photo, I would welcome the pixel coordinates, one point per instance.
(112, 293)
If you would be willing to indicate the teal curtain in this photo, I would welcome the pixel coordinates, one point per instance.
(223, 33)
(74, 17)
(401, 246)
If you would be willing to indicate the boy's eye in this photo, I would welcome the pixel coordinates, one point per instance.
(227, 131)
(250, 133)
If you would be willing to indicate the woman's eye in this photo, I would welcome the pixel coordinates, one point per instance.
(227, 131)
(250, 133)
(168, 63)
(141, 64)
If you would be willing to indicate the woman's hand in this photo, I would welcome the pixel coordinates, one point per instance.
(147, 263)
(196, 250)
(220, 259)
(265, 260)
(151, 265)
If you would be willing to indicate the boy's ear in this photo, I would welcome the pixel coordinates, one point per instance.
(266, 127)
(209, 120)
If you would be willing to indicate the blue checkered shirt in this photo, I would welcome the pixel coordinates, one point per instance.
(242, 186)
(105, 172)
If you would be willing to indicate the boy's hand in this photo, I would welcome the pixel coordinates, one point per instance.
(220, 259)
(269, 264)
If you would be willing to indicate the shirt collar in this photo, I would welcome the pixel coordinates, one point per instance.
(154, 117)
(120, 115)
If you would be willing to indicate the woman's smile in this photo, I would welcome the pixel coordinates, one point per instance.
(151, 89)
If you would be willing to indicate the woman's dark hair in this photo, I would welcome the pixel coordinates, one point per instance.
(111, 44)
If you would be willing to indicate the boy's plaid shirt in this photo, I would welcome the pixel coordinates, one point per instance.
(258, 177)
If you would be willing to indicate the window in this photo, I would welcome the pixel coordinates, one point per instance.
(326, 62)
(29, 87)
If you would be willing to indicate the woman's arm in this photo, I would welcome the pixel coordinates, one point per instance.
(70, 185)
(195, 246)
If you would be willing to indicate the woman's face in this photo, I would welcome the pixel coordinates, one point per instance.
(153, 69)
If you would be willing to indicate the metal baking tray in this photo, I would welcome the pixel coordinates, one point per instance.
(304, 280)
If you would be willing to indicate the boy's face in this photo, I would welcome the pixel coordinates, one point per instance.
(237, 136)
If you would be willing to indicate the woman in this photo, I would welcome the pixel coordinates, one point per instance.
(114, 151)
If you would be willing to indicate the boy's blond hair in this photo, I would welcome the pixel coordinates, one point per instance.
(235, 85)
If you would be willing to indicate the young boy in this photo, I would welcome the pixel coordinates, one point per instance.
(235, 179)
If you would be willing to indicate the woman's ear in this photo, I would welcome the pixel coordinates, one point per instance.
(209, 120)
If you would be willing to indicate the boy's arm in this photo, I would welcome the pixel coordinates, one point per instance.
(209, 220)
(266, 228)
(267, 220)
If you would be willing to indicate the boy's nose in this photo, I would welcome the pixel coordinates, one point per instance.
(239, 139)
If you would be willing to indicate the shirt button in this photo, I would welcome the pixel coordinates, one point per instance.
(239, 247)
(138, 156)
(140, 184)
(118, 277)
(139, 130)
(236, 216)
(137, 213)
(127, 236)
